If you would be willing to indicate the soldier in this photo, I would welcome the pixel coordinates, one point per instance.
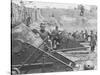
(92, 41)
(86, 35)
(96, 36)
(70, 36)
(43, 33)
(75, 35)
(55, 37)
(81, 35)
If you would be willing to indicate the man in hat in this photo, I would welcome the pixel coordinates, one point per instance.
(43, 33)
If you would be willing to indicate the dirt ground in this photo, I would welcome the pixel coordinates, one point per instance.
(81, 59)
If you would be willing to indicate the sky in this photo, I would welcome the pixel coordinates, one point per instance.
(47, 4)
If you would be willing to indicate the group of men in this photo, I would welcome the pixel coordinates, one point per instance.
(55, 34)
(85, 36)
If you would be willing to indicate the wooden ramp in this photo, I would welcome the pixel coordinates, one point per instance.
(35, 53)
(64, 60)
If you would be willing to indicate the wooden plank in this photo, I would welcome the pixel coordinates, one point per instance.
(33, 64)
(27, 67)
(71, 49)
(64, 59)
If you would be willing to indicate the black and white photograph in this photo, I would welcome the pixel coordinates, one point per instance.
(49, 37)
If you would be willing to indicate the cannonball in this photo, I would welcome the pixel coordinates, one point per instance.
(88, 65)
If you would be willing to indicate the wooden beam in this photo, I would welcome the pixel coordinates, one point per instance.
(26, 67)
(71, 49)
(33, 64)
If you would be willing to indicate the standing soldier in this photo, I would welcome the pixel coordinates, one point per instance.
(96, 36)
(81, 35)
(74, 35)
(70, 36)
(55, 37)
(86, 35)
(45, 35)
(92, 41)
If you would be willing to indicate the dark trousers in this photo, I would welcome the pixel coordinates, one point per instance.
(92, 48)
(55, 41)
